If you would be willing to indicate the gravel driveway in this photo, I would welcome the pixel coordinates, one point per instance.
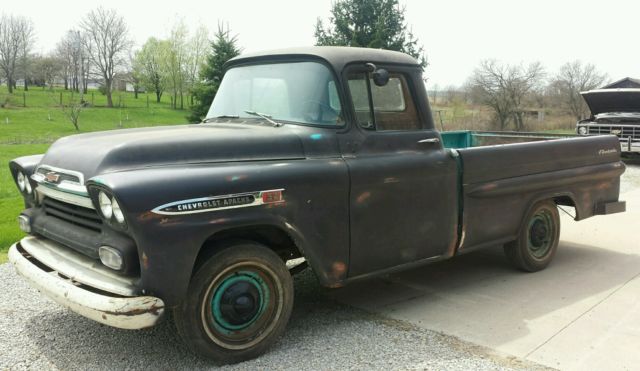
(36, 333)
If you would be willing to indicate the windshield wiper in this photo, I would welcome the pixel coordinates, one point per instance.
(264, 116)
(209, 119)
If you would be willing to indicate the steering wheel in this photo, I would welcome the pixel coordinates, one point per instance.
(323, 110)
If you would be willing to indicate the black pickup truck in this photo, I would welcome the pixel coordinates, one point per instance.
(323, 156)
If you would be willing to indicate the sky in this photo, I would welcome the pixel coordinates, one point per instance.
(456, 34)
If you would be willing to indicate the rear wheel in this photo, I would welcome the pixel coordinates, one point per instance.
(537, 243)
(238, 304)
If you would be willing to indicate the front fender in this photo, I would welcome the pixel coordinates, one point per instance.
(314, 214)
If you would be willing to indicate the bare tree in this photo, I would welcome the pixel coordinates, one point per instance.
(108, 41)
(73, 50)
(504, 88)
(198, 47)
(573, 78)
(27, 39)
(450, 92)
(14, 33)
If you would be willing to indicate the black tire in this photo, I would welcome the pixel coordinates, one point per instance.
(537, 243)
(238, 304)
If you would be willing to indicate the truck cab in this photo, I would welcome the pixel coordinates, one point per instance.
(322, 156)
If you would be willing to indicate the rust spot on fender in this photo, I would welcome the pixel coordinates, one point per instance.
(145, 260)
(363, 197)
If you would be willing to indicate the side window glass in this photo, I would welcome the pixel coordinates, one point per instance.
(360, 98)
(392, 104)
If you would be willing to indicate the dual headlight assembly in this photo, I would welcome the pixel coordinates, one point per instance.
(110, 208)
(111, 211)
(23, 183)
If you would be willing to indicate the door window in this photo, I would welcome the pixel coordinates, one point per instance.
(393, 107)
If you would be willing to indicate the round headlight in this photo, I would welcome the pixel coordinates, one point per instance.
(105, 205)
(117, 212)
(22, 181)
(582, 130)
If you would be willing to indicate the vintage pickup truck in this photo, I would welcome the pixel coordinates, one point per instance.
(614, 112)
(323, 156)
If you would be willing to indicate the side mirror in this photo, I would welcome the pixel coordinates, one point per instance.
(380, 75)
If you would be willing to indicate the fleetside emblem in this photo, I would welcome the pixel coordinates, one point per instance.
(206, 204)
(52, 177)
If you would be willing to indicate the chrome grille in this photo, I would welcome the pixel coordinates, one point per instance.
(74, 214)
(622, 131)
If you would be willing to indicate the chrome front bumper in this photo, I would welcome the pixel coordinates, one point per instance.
(83, 285)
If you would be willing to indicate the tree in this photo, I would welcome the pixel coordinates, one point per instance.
(175, 60)
(369, 23)
(223, 48)
(573, 78)
(73, 50)
(504, 87)
(107, 41)
(47, 68)
(197, 53)
(27, 39)
(148, 64)
(16, 38)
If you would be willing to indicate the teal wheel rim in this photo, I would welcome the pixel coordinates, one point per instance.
(540, 234)
(239, 301)
(241, 305)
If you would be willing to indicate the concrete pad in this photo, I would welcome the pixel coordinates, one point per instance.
(583, 311)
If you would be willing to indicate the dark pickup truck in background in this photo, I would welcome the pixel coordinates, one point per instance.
(323, 156)
(614, 112)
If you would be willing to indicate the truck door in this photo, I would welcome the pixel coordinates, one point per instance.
(404, 199)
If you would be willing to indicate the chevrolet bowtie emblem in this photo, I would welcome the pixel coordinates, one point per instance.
(52, 177)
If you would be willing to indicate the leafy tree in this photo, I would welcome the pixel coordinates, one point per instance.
(369, 23)
(223, 48)
(148, 64)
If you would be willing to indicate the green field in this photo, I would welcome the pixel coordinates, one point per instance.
(31, 129)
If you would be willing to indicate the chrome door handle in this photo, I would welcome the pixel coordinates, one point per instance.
(430, 140)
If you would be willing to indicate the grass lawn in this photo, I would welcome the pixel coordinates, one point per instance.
(30, 130)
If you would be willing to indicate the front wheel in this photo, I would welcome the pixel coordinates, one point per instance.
(238, 304)
(537, 242)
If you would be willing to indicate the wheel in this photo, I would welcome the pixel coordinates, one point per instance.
(238, 304)
(537, 243)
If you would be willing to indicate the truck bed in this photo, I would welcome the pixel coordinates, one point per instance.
(500, 181)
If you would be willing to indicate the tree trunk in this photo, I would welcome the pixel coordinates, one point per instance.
(66, 84)
(26, 86)
(10, 84)
(107, 85)
(158, 95)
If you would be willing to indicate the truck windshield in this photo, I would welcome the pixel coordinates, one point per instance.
(300, 92)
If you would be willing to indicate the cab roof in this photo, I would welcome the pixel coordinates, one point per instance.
(336, 56)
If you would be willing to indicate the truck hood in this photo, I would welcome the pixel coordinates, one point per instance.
(612, 100)
(117, 150)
